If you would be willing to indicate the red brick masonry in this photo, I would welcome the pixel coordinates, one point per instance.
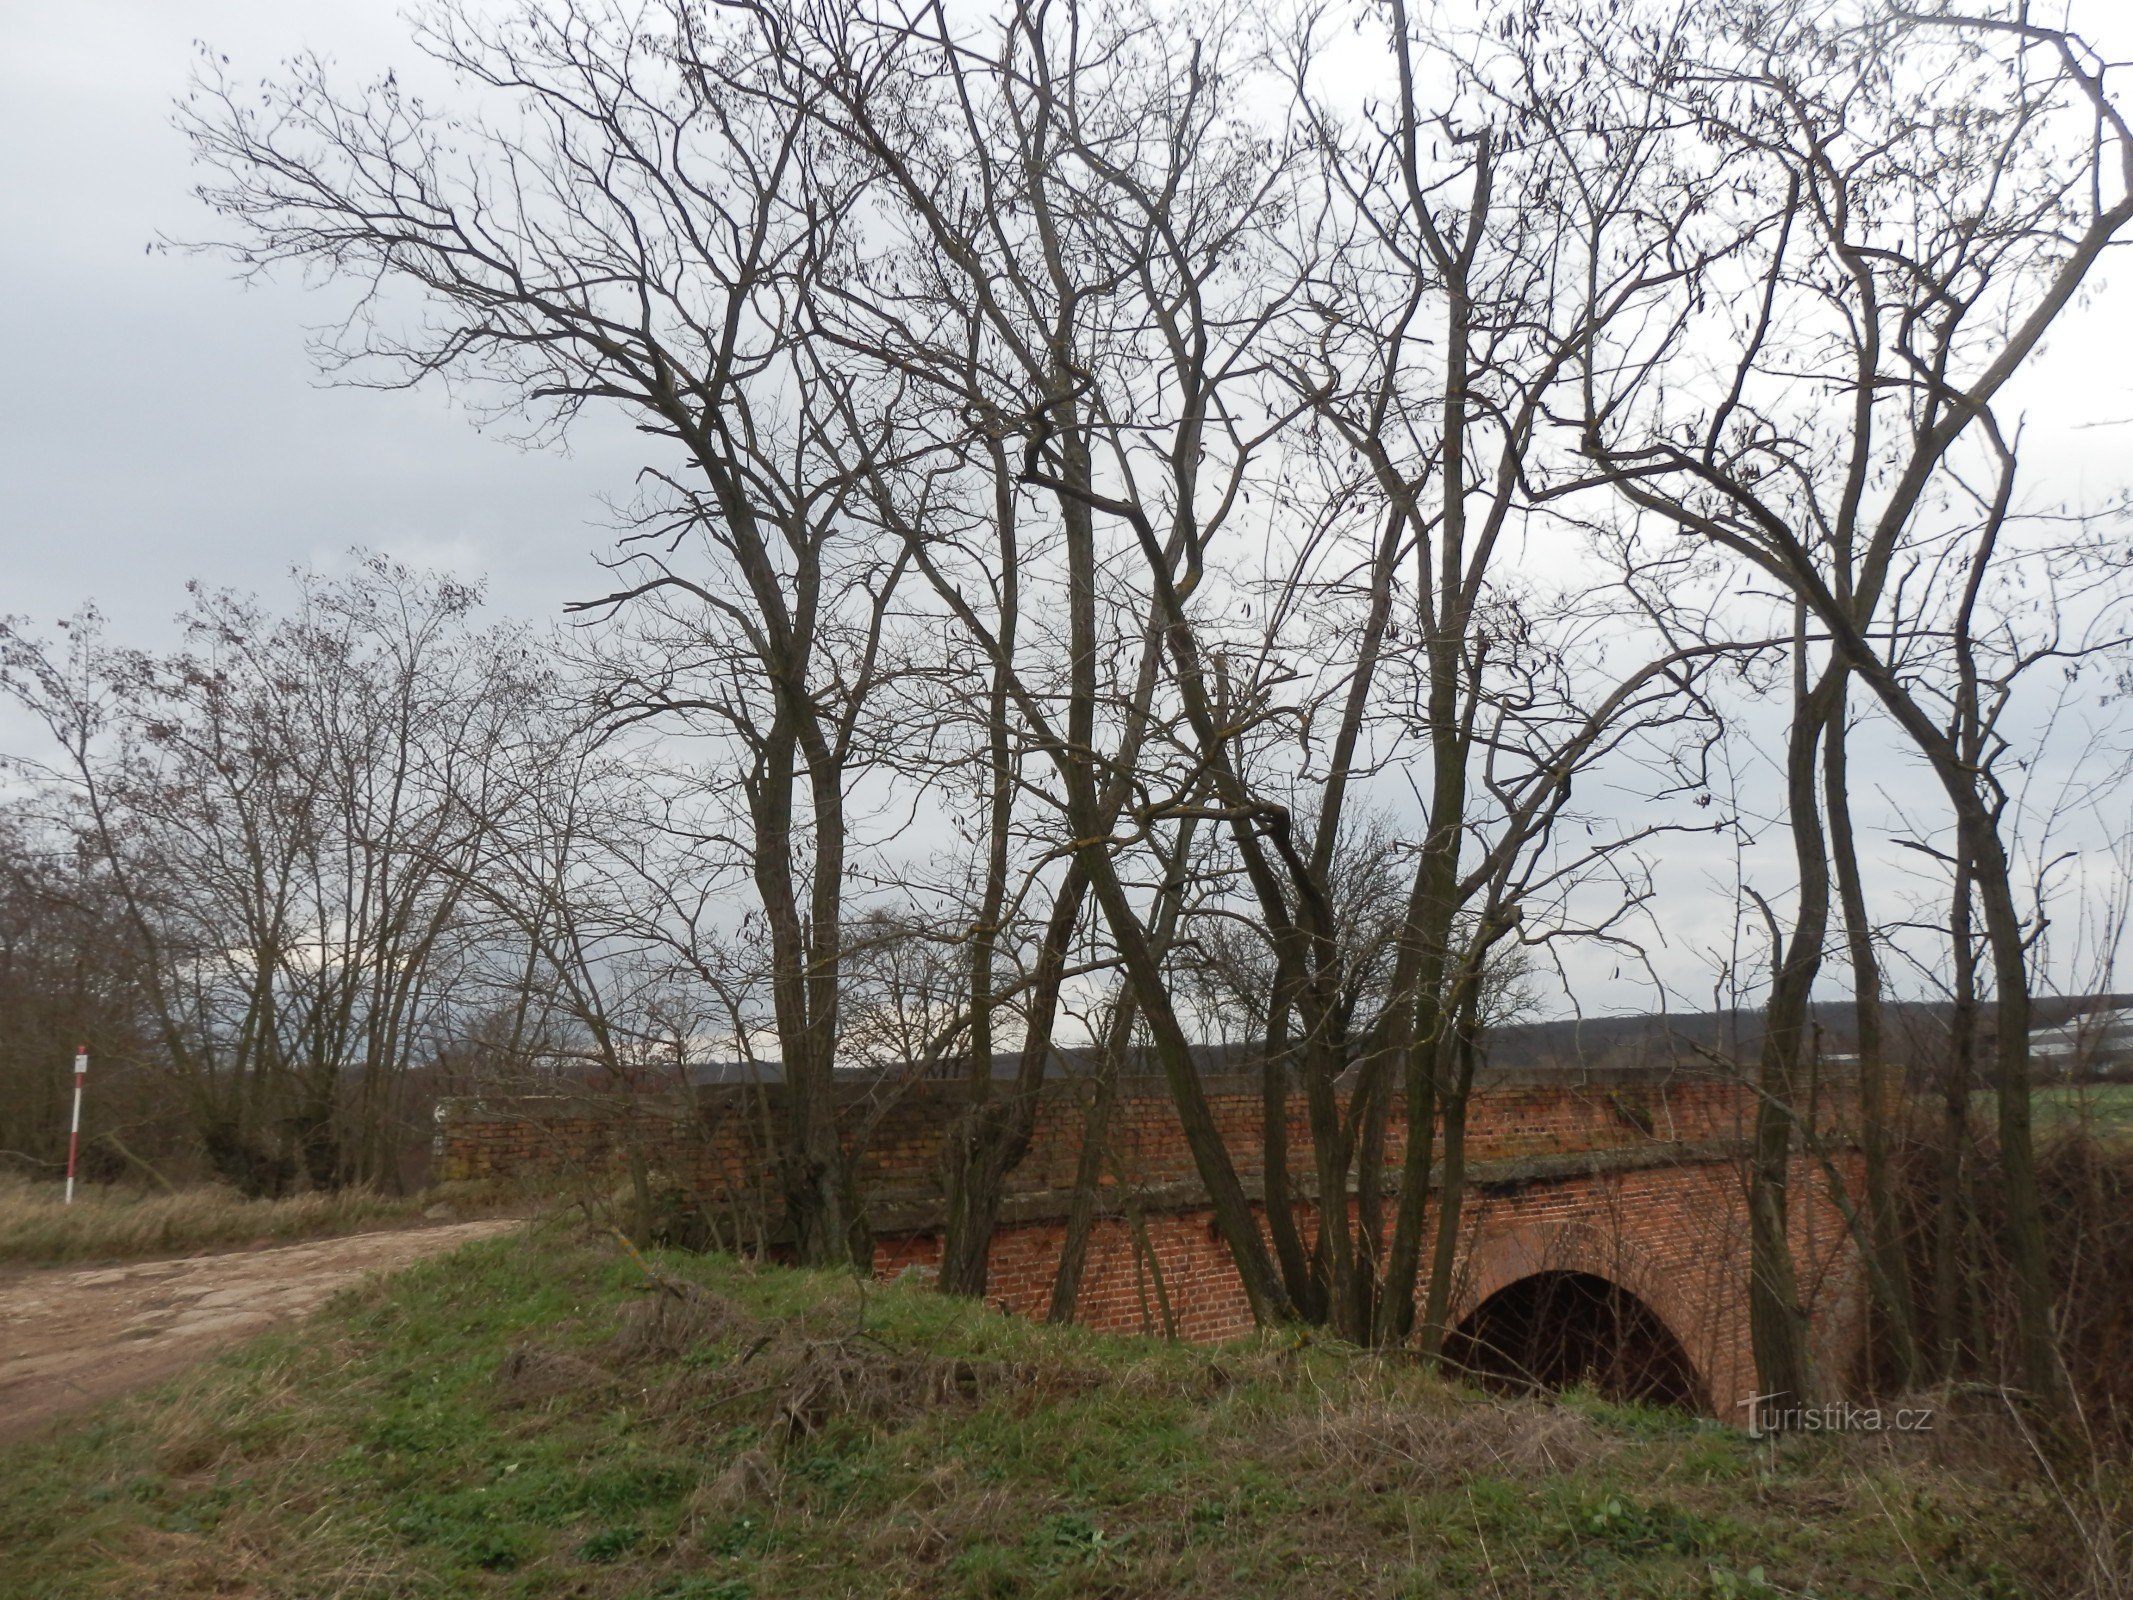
(1631, 1175)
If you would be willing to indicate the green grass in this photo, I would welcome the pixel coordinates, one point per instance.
(527, 1418)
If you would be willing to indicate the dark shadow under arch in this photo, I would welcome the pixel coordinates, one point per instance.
(1555, 1330)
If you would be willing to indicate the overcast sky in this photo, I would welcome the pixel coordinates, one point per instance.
(161, 422)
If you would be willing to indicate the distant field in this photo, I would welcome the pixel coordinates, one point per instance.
(535, 1418)
(2104, 1108)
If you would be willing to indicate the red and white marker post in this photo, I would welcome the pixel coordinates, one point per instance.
(81, 1071)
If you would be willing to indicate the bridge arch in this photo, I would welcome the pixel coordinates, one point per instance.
(1549, 1306)
(1553, 1330)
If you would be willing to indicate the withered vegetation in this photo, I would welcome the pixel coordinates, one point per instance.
(555, 1416)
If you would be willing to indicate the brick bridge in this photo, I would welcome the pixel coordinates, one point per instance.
(1605, 1208)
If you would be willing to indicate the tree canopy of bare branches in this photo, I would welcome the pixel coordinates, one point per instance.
(1255, 524)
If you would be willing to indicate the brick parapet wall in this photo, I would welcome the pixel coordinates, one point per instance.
(1631, 1176)
(712, 1141)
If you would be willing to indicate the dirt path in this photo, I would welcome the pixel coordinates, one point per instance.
(69, 1337)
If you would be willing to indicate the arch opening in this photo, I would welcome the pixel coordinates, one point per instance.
(1556, 1330)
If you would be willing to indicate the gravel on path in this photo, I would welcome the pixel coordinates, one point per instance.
(70, 1337)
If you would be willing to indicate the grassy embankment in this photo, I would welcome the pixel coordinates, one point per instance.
(534, 1417)
(109, 1222)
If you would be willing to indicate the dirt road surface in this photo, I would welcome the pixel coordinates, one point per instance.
(70, 1337)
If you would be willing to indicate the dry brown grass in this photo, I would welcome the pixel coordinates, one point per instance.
(672, 1319)
(791, 1379)
(558, 1418)
(112, 1222)
(1983, 1431)
(1387, 1442)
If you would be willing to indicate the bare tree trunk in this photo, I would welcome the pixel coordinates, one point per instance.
(1952, 1223)
(2043, 1374)
(1449, 595)
(983, 1142)
(1403, 1258)
(1777, 1320)
(1884, 1232)
(1444, 1256)
(1369, 1114)
(993, 1135)
(809, 1156)
(1090, 820)
(1089, 1165)
(1297, 1270)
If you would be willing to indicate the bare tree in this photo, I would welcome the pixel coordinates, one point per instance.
(1063, 168)
(641, 227)
(1451, 291)
(1898, 207)
(268, 807)
(66, 979)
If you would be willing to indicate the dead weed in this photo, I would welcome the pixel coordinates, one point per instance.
(749, 1479)
(533, 1375)
(671, 1319)
(1382, 1441)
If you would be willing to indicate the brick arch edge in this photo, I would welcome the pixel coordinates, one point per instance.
(1502, 1256)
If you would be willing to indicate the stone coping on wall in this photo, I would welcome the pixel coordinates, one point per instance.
(1136, 1086)
(891, 1212)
